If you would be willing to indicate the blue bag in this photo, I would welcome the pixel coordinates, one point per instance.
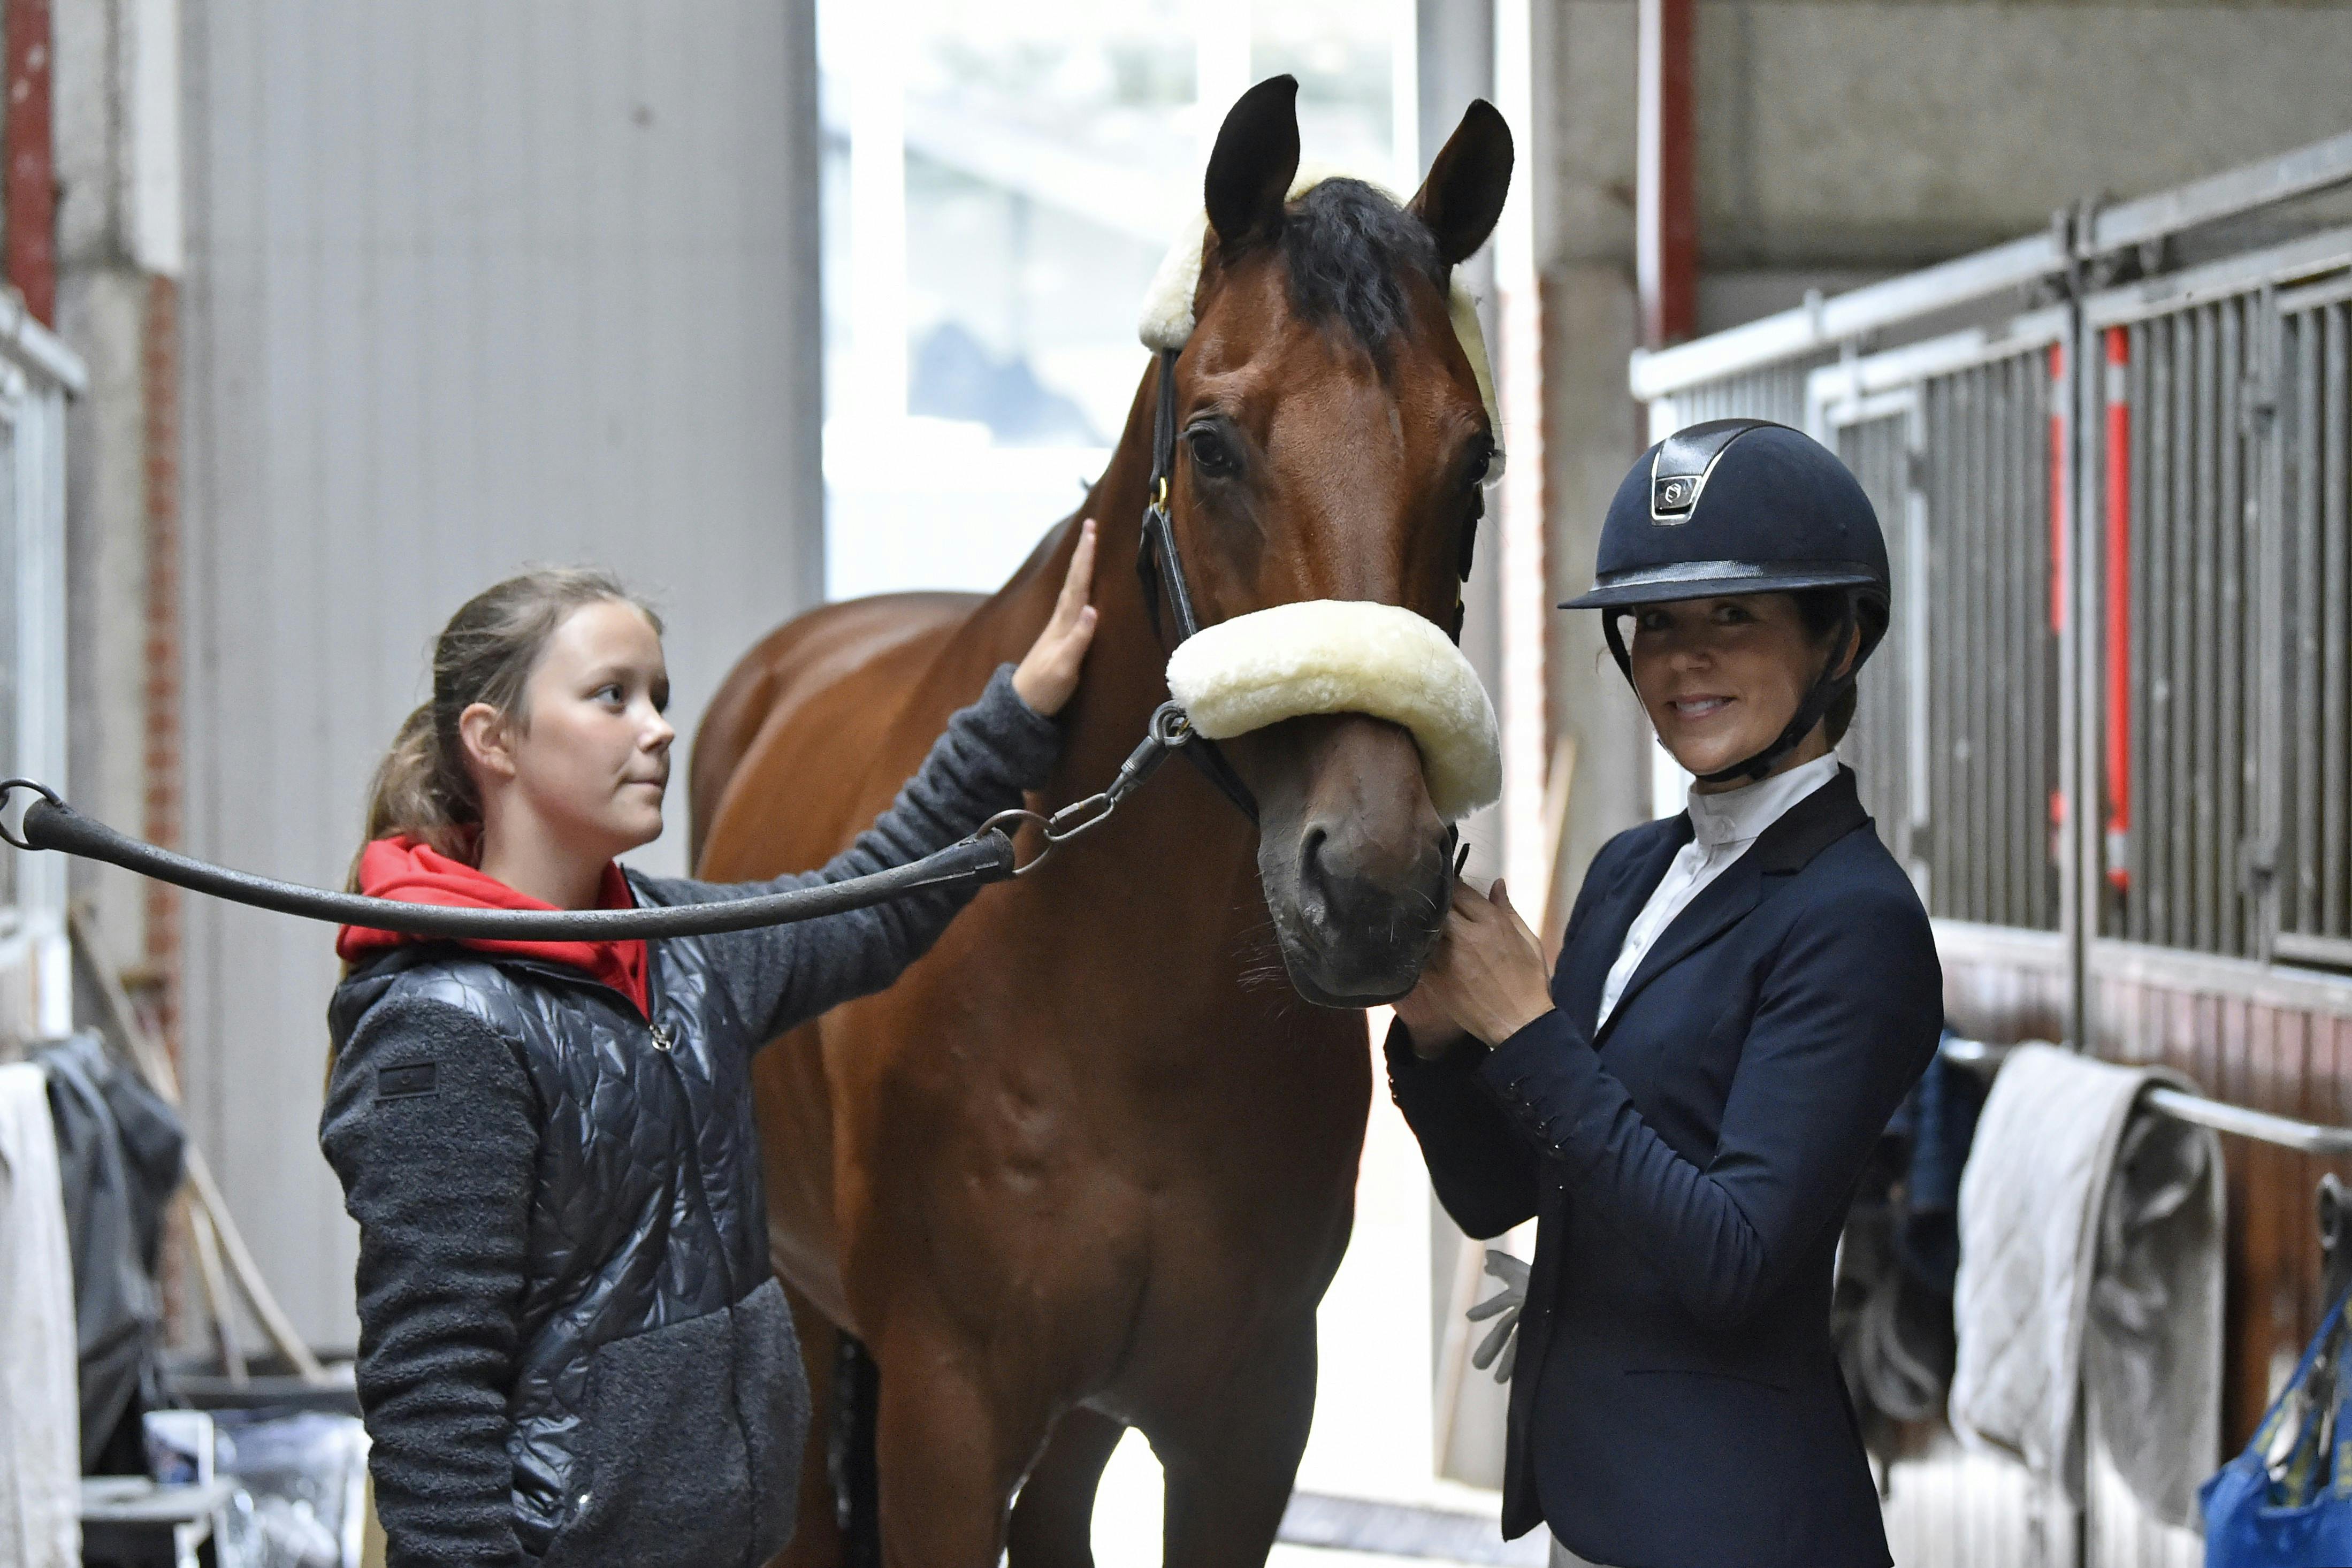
(2286, 1502)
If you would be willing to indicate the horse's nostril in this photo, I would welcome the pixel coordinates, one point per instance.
(1313, 877)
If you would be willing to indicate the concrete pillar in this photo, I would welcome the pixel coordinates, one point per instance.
(1585, 93)
(118, 220)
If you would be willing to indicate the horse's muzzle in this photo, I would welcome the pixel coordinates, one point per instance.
(1359, 936)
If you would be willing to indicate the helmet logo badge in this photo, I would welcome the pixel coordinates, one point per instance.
(1673, 497)
(1681, 465)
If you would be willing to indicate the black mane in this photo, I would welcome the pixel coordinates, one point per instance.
(1348, 248)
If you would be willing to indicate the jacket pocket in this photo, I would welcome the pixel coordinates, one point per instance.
(771, 1387)
(667, 1482)
(1754, 1377)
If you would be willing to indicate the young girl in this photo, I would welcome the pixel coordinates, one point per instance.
(572, 1346)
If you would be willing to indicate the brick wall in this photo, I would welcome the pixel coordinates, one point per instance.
(160, 366)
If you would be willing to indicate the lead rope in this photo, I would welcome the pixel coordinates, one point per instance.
(986, 855)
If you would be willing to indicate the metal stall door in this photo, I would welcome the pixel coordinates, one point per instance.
(2309, 552)
(1958, 739)
(2222, 724)
(36, 371)
(2217, 730)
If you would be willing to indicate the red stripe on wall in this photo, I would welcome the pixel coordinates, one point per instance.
(28, 188)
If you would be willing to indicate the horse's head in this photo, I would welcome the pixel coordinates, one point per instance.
(1332, 438)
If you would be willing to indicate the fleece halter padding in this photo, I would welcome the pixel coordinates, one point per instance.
(1167, 319)
(1334, 655)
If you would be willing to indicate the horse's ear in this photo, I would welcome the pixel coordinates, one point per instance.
(1463, 194)
(1255, 159)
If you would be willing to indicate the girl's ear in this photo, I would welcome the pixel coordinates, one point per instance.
(482, 729)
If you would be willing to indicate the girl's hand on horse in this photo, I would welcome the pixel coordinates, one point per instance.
(1048, 672)
(1488, 973)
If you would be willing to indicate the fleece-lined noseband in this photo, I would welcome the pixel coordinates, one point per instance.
(1319, 656)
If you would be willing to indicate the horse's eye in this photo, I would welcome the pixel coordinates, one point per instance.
(1482, 463)
(1210, 453)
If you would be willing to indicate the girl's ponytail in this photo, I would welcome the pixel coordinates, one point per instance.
(408, 796)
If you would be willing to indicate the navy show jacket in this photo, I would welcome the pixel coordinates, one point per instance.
(1676, 1401)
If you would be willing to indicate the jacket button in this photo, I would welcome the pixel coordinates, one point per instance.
(583, 1500)
(662, 1038)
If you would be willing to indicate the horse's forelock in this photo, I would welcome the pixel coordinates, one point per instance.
(1347, 247)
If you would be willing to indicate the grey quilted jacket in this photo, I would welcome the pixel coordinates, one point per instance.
(573, 1349)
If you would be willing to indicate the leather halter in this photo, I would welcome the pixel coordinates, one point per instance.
(1157, 563)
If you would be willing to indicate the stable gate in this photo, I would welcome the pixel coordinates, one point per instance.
(2111, 735)
(36, 373)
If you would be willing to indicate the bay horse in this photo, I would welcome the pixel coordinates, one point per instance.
(1090, 1163)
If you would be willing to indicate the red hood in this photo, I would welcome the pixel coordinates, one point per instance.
(412, 873)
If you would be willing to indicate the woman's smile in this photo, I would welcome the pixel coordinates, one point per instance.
(1757, 660)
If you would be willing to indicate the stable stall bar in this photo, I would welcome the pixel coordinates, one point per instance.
(2112, 745)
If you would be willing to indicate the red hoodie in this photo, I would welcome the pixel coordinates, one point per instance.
(412, 873)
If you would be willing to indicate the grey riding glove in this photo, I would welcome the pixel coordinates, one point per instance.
(1500, 1348)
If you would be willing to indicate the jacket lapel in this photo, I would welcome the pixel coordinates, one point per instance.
(1577, 983)
(1806, 829)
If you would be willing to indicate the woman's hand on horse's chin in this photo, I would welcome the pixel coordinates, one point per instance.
(1048, 672)
(1428, 1027)
(1489, 972)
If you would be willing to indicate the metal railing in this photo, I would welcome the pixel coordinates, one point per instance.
(2188, 465)
(2119, 698)
(2263, 1126)
(2314, 413)
(1828, 327)
(38, 372)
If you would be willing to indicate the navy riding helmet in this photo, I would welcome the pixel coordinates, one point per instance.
(1744, 506)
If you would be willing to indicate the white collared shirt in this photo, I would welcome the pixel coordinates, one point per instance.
(1723, 828)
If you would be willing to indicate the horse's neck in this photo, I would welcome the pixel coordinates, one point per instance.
(1177, 820)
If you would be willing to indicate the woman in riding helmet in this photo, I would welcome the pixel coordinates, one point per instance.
(1684, 1102)
(573, 1349)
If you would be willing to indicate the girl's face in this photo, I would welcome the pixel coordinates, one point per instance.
(590, 757)
(1721, 678)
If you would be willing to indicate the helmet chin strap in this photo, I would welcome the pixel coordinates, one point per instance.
(1826, 691)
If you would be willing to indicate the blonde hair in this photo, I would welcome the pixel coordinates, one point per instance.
(423, 789)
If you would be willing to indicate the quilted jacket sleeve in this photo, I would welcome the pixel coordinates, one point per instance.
(990, 753)
(1847, 1022)
(430, 1124)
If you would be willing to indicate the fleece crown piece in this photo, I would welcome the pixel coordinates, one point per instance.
(1166, 321)
(1334, 655)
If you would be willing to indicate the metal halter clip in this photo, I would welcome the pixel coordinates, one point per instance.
(1170, 728)
(9, 787)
